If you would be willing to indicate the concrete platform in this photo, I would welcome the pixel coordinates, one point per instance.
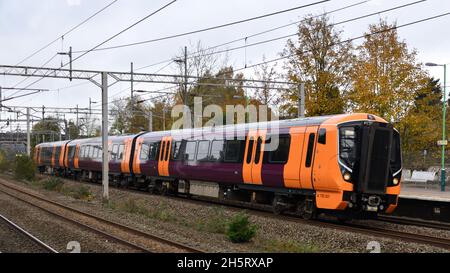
(428, 193)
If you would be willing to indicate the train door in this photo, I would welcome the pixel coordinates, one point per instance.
(76, 157)
(253, 157)
(291, 171)
(125, 155)
(53, 156)
(308, 151)
(37, 152)
(62, 153)
(164, 156)
(137, 155)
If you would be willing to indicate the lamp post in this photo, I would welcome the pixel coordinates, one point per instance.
(246, 103)
(444, 142)
(90, 114)
(185, 89)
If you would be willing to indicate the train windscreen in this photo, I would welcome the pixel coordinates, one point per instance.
(347, 146)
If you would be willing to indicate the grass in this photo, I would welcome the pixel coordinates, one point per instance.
(217, 223)
(82, 193)
(160, 212)
(53, 184)
(286, 246)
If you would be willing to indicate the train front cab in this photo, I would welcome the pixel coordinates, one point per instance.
(364, 178)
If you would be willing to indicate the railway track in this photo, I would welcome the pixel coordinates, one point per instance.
(28, 235)
(131, 237)
(264, 210)
(413, 222)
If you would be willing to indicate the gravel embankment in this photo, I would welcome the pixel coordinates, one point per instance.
(53, 231)
(202, 225)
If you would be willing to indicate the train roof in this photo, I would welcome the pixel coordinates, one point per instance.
(280, 124)
(307, 121)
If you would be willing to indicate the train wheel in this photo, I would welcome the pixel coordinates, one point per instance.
(307, 209)
(164, 190)
(276, 207)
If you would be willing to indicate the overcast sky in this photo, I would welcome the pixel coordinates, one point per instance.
(27, 25)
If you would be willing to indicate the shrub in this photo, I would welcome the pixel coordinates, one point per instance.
(53, 184)
(5, 164)
(24, 168)
(240, 229)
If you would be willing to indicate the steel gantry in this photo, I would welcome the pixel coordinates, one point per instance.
(100, 78)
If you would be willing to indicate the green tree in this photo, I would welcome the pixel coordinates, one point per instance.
(47, 129)
(321, 60)
(73, 130)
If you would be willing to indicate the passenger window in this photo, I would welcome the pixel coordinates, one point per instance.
(89, 152)
(203, 150)
(309, 153)
(120, 152)
(250, 150)
(115, 152)
(280, 154)
(189, 153)
(167, 150)
(99, 152)
(153, 153)
(176, 150)
(163, 147)
(217, 149)
(144, 151)
(232, 150)
(258, 150)
(322, 137)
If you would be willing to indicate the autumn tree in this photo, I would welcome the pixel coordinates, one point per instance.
(129, 116)
(422, 126)
(386, 77)
(266, 92)
(322, 60)
(222, 88)
(160, 109)
(202, 62)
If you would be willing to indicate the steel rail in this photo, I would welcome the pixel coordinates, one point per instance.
(35, 240)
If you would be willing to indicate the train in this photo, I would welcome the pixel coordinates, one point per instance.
(347, 165)
(13, 148)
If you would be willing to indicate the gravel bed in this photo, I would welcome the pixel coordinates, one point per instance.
(12, 241)
(153, 245)
(195, 224)
(53, 231)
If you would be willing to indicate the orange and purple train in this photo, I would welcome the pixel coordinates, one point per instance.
(347, 165)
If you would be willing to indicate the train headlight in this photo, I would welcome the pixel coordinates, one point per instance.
(395, 181)
(347, 176)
